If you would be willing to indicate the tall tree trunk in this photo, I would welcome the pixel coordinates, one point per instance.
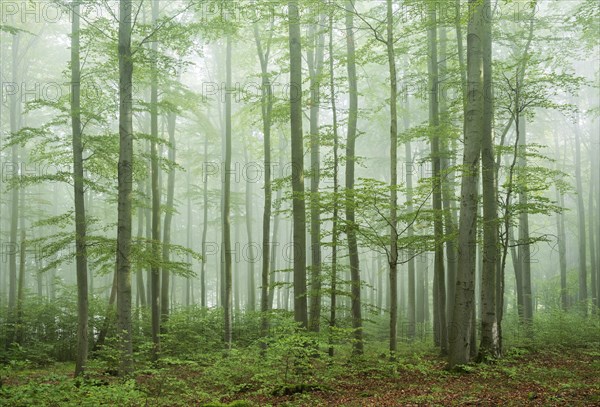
(266, 302)
(251, 284)
(79, 199)
(593, 186)
(524, 249)
(490, 338)
(561, 240)
(393, 219)
(139, 276)
(409, 169)
(298, 201)
(438, 226)
(583, 291)
(461, 325)
(19, 323)
(14, 197)
(204, 226)
(156, 195)
(447, 182)
(125, 178)
(315, 68)
(165, 274)
(227, 300)
(334, 226)
(355, 299)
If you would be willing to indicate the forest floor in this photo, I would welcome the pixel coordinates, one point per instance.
(563, 376)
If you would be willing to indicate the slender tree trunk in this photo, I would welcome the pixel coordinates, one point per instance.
(266, 301)
(19, 323)
(524, 249)
(298, 201)
(434, 122)
(562, 242)
(139, 276)
(393, 219)
(593, 186)
(490, 339)
(166, 275)
(251, 289)
(79, 199)
(355, 299)
(583, 291)
(461, 325)
(227, 301)
(204, 226)
(125, 178)
(315, 68)
(409, 169)
(14, 197)
(334, 226)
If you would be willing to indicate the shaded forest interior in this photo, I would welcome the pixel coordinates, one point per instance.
(276, 202)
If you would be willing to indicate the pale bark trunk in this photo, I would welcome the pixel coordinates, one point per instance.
(227, 301)
(461, 325)
(315, 67)
(583, 291)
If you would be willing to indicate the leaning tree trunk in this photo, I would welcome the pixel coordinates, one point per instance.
(464, 303)
(125, 178)
(298, 200)
(79, 199)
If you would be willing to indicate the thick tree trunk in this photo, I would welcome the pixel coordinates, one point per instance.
(461, 325)
(298, 201)
(156, 195)
(125, 178)
(355, 300)
(490, 339)
(79, 199)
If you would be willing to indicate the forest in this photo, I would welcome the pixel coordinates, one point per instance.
(299, 202)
